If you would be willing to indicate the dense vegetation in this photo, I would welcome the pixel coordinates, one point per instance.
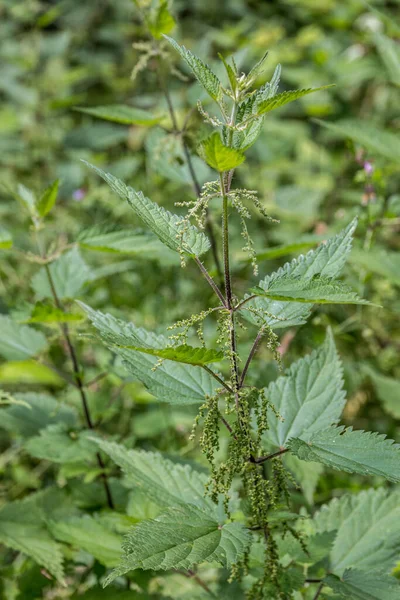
(199, 300)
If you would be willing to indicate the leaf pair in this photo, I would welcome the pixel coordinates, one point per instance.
(37, 207)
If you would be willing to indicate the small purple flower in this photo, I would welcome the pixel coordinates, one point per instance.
(368, 167)
(79, 194)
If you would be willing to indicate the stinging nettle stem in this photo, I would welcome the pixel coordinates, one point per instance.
(210, 280)
(79, 383)
(225, 243)
(251, 356)
(195, 181)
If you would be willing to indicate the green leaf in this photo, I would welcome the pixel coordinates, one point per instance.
(307, 474)
(318, 547)
(326, 261)
(248, 111)
(286, 97)
(179, 539)
(232, 76)
(305, 242)
(319, 290)
(309, 396)
(343, 449)
(26, 197)
(387, 390)
(119, 113)
(379, 261)
(125, 241)
(257, 69)
(69, 273)
(6, 398)
(165, 157)
(375, 139)
(22, 529)
(218, 156)
(364, 585)
(182, 354)
(45, 313)
(200, 70)
(389, 52)
(161, 21)
(47, 199)
(89, 534)
(167, 227)
(18, 342)
(170, 382)
(162, 481)
(6, 240)
(35, 412)
(368, 530)
(29, 372)
(59, 444)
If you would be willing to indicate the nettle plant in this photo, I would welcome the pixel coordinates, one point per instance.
(239, 517)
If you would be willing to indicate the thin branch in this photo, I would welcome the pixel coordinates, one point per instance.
(196, 184)
(238, 306)
(192, 575)
(262, 459)
(251, 356)
(221, 381)
(229, 428)
(58, 372)
(96, 379)
(209, 224)
(210, 280)
(319, 590)
(79, 382)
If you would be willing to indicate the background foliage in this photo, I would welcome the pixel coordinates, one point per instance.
(319, 162)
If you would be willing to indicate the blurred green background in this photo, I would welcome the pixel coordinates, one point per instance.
(57, 56)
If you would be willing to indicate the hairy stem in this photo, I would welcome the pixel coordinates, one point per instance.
(225, 244)
(243, 302)
(221, 381)
(210, 280)
(79, 382)
(229, 428)
(251, 356)
(195, 181)
(225, 187)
